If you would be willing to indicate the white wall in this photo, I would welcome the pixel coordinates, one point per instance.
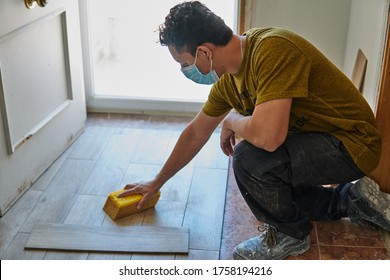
(324, 23)
(337, 27)
(366, 31)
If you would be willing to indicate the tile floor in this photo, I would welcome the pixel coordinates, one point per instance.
(330, 240)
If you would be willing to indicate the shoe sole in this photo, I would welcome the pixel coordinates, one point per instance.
(293, 252)
(368, 193)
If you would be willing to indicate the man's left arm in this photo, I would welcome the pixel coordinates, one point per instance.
(266, 128)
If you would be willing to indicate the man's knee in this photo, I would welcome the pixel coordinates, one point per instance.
(257, 161)
(246, 156)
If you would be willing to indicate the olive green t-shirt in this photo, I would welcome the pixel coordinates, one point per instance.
(280, 64)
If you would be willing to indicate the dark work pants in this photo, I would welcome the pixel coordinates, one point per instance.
(284, 188)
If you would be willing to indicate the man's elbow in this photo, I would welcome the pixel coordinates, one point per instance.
(272, 147)
(270, 144)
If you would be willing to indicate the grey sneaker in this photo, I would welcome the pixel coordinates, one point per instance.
(271, 245)
(368, 205)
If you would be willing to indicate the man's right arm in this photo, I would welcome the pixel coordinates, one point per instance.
(192, 139)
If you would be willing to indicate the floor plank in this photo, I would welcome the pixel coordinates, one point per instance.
(108, 256)
(153, 148)
(65, 255)
(211, 156)
(44, 180)
(14, 218)
(110, 239)
(146, 256)
(178, 187)
(139, 172)
(55, 203)
(87, 210)
(91, 143)
(16, 250)
(199, 255)
(203, 215)
(110, 168)
(165, 213)
(131, 220)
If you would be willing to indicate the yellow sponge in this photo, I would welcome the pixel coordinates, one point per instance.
(117, 207)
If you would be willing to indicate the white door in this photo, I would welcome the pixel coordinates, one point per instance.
(42, 103)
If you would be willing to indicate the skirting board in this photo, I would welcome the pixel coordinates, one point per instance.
(141, 239)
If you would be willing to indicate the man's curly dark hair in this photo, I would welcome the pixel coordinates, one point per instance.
(190, 24)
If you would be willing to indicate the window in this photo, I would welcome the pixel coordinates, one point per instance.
(128, 65)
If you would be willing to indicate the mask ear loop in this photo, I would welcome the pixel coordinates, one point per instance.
(211, 63)
(196, 56)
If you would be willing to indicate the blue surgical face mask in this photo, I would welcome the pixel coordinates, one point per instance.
(192, 72)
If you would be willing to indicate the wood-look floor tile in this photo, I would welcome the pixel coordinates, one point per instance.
(138, 172)
(152, 149)
(144, 256)
(87, 210)
(43, 182)
(131, 220)
(203, 215)
(16, 251)
(12, 221)
(109, 239)
(56, 201)
(199, 255)
(109, 256)
(110, 168)
(91, 143)
(178, 187)
(165, 213)
(65, 255)
(211, 156)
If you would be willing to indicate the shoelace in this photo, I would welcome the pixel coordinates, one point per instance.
(270, 234)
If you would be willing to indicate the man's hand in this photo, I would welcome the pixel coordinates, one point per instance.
(227, 136)
(147, 189)
(266, 128)
(192, 139)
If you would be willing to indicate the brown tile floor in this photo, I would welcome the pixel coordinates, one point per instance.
(336, 240)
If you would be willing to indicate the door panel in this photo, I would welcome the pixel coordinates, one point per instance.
(25, 110)
(41, 90)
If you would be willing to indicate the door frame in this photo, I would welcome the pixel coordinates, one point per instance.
(381, 173)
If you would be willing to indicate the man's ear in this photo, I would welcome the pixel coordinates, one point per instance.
(206, 50)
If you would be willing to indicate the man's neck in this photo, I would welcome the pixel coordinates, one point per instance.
(232, 54)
